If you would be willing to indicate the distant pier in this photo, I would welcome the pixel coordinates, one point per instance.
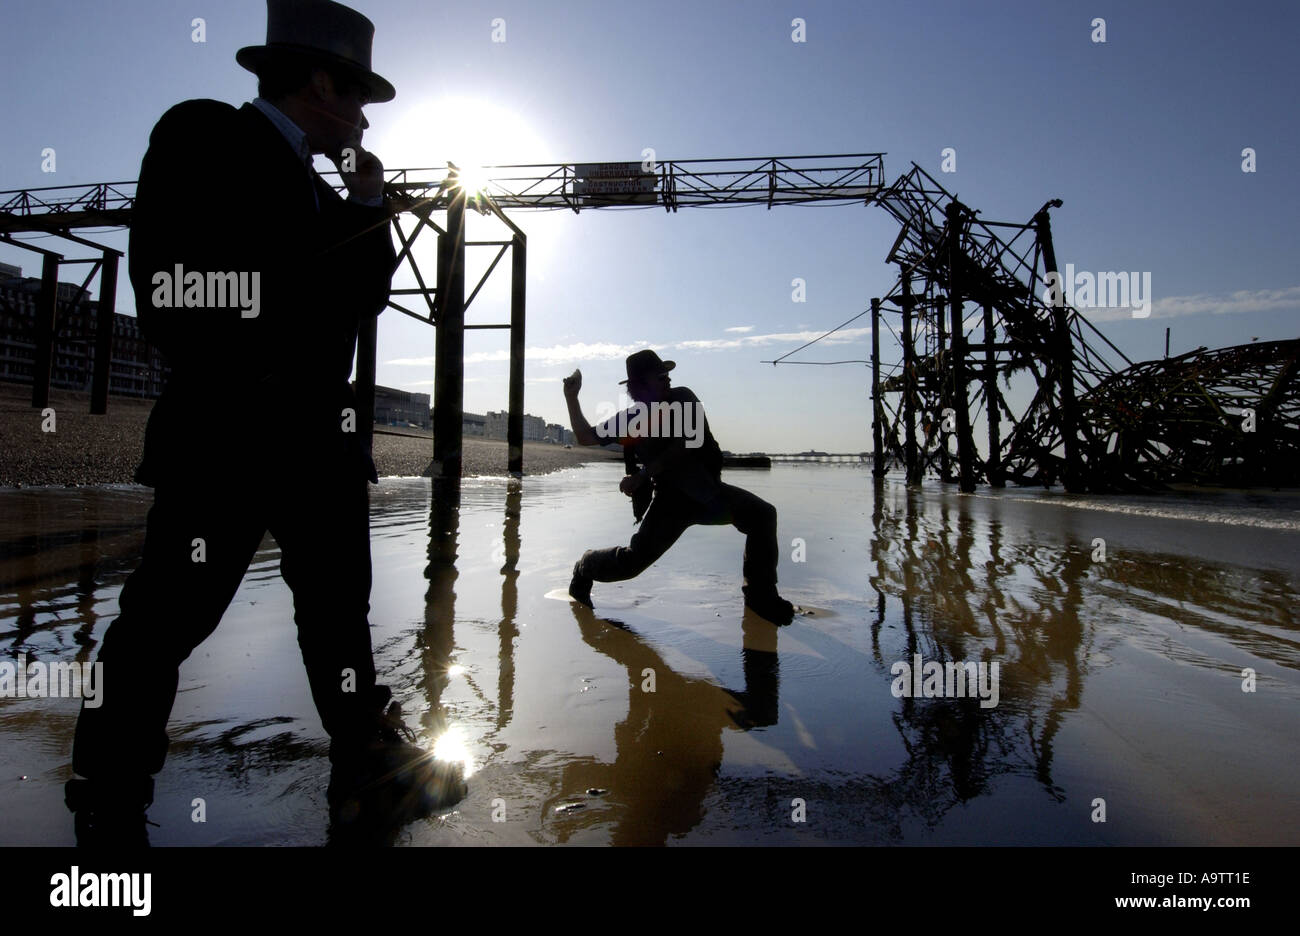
(765, 459)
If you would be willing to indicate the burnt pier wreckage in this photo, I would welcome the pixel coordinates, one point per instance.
(987, 382)
(969, 312)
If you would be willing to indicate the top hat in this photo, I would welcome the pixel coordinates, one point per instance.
(645, 364)
(322, 31)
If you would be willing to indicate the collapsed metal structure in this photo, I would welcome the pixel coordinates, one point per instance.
(969, 312)
(1224, 416)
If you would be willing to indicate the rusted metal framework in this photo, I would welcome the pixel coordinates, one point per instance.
(65, 207)
(768, 180)
(968, 311)
(424, 193)
(1224, 416)
(972, 313)
(674, 184)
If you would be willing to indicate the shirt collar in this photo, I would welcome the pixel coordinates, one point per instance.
(294, 134)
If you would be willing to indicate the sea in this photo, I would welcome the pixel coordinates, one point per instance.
(1138, 662)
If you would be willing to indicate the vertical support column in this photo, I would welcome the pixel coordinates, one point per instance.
(877, 434)
(515, 420)
(994, 471)
(449, 348)
(1063, 355)
(960, 397)
(104, 334)
(942, 365)
(909, 384)
(46, 309)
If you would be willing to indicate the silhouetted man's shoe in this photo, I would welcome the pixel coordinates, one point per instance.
(767, 604)
(580, 586)
(110, 815)
(386, 780)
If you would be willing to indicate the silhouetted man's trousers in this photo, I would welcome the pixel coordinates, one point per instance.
(668, 516)
(319, 516)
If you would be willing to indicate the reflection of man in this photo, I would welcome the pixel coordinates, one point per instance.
(669, 436)
(670, 746)
(257, 428)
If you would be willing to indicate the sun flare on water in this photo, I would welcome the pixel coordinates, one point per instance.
(453, 746)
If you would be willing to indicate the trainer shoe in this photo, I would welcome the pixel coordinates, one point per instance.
(580, 586)
(767, 604)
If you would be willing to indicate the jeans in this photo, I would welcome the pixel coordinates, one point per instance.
(671, 512)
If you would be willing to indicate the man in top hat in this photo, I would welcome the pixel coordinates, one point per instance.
(258, 428)
(668, 434)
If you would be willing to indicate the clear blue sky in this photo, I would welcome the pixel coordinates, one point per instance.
(1141, 136)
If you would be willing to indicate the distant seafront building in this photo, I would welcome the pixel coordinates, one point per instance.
(493, 425)
(534, 426)
(136, 368)
(395, 407)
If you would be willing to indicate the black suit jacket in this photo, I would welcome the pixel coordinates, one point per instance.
(221, 191)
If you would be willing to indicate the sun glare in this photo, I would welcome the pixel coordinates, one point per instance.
(469, 132)
(473, 179)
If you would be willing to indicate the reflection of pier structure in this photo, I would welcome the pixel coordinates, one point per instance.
(954, 607)
(424, 193)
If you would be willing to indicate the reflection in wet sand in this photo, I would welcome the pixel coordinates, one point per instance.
(954, 609)
(1121, 677)
(669, 747)
(507, 630)
(436, 642)
(1052, 612)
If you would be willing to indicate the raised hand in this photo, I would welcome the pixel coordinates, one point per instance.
(573, 383)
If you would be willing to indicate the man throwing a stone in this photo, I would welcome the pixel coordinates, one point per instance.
(682, 464)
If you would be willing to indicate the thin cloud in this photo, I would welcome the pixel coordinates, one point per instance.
(1234, 303)
(580, 352)
(1243, 300)
(554, 355)
(739, 329)
(843, 336)
(430, 383)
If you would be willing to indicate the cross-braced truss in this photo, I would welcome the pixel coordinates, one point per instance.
(669, 184)
(974, 308)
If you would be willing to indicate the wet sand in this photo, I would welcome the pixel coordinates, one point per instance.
(85, 449)
(1120, 680)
